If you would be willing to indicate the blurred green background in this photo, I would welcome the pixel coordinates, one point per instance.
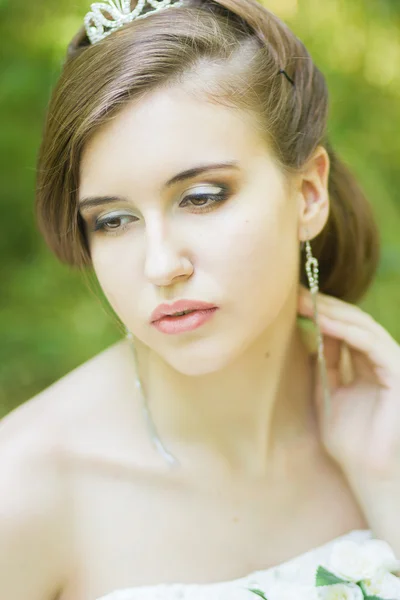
(49, 321)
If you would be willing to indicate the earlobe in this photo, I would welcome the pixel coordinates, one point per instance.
(313, 216)
(313, 220)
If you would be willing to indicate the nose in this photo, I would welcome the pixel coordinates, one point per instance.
(164, 261)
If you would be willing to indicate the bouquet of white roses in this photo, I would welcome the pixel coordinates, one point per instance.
(355, 571)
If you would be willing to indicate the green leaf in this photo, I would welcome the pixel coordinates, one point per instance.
(366, 597)
(325, 577)
(259, 593)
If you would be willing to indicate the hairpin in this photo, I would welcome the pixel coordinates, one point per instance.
(287, 76)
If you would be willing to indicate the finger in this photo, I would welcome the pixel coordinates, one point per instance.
(337, 356)
(363, 368)
(338, 309)
(377, 351)
(350, 364)
(343, 365)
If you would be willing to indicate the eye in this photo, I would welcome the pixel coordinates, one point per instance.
(206, 201)
(111, 225)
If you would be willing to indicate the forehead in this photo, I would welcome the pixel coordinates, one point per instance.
(165, 132)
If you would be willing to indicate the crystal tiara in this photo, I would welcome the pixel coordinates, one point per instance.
(106, 17)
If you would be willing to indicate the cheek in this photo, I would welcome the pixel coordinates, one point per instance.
(116, 275)
(258, 265)
(256, 249)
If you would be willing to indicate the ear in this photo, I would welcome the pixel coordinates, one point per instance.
(313, 195)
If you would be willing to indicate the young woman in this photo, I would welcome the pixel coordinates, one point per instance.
(185, 159)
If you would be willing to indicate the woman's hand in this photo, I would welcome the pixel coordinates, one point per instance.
(363, 364)
(362, 432)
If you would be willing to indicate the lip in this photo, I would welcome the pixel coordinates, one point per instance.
(164, 310)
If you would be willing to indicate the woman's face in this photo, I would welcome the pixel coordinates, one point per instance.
(228, 236)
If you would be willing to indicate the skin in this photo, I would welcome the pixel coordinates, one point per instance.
(232, 400)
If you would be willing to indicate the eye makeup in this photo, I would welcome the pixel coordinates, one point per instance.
(196, 203)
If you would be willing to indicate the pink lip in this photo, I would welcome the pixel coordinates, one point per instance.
(164, 310)
(189, 322)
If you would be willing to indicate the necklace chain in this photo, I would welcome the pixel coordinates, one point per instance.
(146, 410)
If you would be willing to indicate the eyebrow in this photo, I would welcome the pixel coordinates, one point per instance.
(92, 201)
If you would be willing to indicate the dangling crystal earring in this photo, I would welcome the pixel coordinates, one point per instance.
(312, 270)
(146, 410)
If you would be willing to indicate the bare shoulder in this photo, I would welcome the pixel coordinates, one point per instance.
(91, 411)
(33, 519)
(34, 503)
(45, 419)
(37, 436)
(84, 414)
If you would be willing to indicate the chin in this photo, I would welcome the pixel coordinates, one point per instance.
(205, 357)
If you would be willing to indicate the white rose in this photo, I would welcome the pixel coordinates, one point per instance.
(382, 553)
(340, 591)
(367, 560)
(290, 591)
(384, 586)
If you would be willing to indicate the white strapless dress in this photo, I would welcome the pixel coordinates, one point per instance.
(301, 570)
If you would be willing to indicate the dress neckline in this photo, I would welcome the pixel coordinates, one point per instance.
(174, 591)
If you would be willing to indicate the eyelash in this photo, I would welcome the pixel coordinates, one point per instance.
(100, 224)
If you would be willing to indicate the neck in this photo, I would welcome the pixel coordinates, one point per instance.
(241, 415)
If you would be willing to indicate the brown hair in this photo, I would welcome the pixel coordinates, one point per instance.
(244, 46)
